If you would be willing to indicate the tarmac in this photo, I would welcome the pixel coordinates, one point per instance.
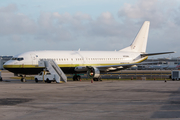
(83, 100)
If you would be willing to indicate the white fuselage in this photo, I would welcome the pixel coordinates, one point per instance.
(77, 57)
(72, 59)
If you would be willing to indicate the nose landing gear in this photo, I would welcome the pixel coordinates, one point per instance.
(23, 78)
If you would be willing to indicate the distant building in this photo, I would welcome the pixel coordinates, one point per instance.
(161, 63)
(4, 59)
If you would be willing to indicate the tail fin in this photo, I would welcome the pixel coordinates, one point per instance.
(178, 66)
(140, 42)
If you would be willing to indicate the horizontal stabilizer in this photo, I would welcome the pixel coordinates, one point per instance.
(150, 54)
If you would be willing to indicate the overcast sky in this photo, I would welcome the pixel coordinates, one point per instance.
(101, 25)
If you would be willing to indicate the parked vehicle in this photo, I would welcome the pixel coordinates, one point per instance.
(45, 76)
(0, 76)
(175, 75)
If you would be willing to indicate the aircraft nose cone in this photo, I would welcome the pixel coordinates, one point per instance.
(4, 66)
(7, 65)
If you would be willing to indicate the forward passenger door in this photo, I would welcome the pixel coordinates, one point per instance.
(34, 59)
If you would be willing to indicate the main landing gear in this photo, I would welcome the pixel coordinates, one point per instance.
(76, 77)
(23, 78)
(97, 79)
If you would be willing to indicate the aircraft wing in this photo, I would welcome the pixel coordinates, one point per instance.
(124, 66)
(121, 66)
(114, 67)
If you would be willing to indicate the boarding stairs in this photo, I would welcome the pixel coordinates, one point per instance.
(53, 68)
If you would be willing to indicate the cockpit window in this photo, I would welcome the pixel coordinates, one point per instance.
(19, 59)
(14, 58)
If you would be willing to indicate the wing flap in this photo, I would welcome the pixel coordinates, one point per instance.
(120, 66)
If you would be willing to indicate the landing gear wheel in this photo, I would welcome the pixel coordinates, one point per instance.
(76, 78)
(23, 80)
(48, 81)
(36, 80)
(1, 79)
(97, 79)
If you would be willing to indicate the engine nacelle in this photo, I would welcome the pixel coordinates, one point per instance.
(80, 69)
(93, 72)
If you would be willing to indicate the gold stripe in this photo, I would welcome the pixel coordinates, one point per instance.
(68, 65)
(21, 66)
(145, 58)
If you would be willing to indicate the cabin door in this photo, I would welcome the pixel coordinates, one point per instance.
(34, 59)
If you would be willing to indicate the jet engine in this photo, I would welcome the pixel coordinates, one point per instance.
(93, 72)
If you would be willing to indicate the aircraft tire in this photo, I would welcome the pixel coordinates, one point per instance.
(99, 78)
(48, 81)
(36, 80)
(74, 78)
(23, 80)
(78, 78)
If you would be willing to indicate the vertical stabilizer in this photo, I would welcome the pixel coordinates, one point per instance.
(140, 42)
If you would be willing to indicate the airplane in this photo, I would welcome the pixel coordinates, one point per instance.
(166, 66)
(91, 62)
(178, 66)
(170, 66)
